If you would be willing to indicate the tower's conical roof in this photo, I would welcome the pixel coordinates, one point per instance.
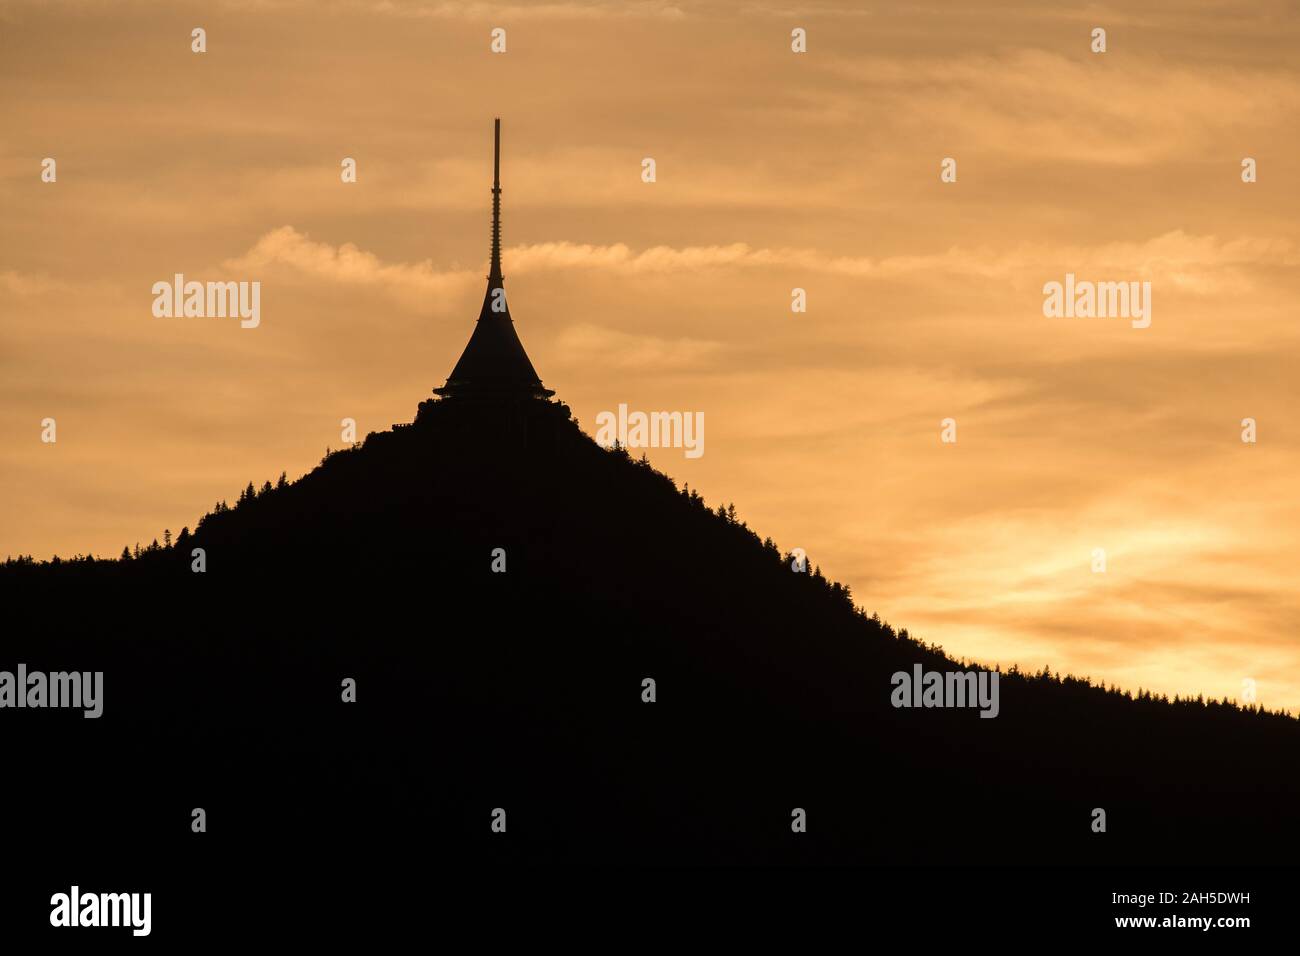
(494, 363)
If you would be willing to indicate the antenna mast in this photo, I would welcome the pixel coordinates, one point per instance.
(495, 274)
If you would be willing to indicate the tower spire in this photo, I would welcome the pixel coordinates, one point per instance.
(494, 365)
(495, 276)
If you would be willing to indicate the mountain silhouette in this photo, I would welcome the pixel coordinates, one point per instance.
(522, 689)
(484, 618)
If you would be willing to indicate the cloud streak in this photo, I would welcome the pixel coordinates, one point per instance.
(1198, 264)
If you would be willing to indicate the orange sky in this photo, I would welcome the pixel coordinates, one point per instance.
(775, 171)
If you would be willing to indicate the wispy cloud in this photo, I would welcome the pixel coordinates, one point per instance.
(20, 284)
(346, 264)
(586, 344)
(495, 12)
(1037, 104)
(1193, 263)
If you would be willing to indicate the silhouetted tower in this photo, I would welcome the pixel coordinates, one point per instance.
(494, 365)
